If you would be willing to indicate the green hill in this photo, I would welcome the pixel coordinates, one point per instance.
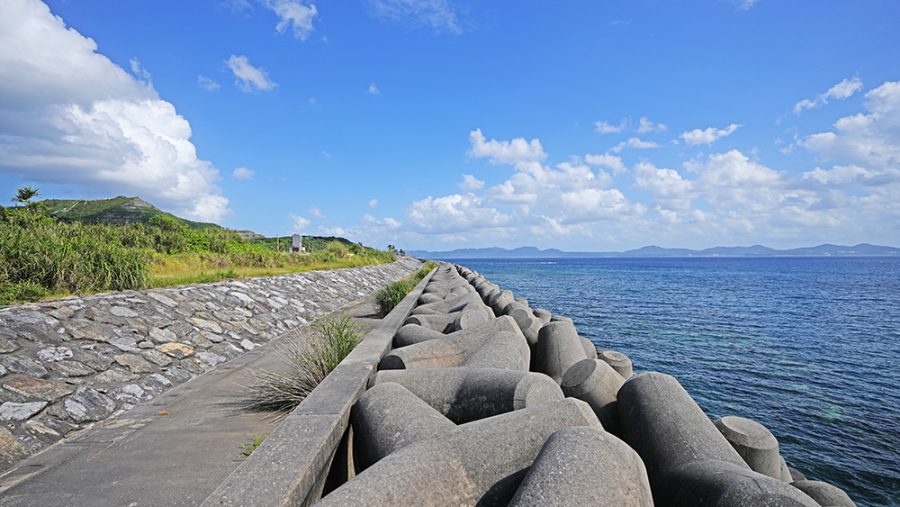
(119, 210)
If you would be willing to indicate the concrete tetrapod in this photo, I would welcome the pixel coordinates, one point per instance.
(448, 305)
(590, 350)
(481, 462)
(388, 417)
(468, 394)
(824, 494)
(585, 467)
(661, 421)
(754, 442)
(438, 322)
(557, 349)
(414, 333)
(596, 383)
(713, 483)
(542, 314)
(619, 362)
(507, 350)
(471, 317)
(452, 350)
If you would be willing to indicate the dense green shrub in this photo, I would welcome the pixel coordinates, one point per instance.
(76, 257)
(391, 295)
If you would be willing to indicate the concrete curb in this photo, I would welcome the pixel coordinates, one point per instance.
(293, 465)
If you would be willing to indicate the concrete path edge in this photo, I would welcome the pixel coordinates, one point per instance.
(293, 463)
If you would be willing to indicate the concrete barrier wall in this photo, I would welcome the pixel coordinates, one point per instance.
(485, 401)
(312, 447)
(67, 364)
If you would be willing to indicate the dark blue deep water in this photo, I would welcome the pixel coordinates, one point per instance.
(809, 347)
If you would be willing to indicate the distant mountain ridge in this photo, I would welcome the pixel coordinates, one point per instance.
(530, 252)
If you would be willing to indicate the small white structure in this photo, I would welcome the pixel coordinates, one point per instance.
(297, 243)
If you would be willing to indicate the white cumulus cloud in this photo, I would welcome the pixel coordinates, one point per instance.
(870, 139)
(243, 173)
(293, 15)
(708, 135)
(439, 15)
(471, 183)
(298, 223)
(517, 152)
(611, 162)
(247, 77)
(70, 116)
(843, 90)
(645, 126)
(373, 203)
(373, 89)
(207, 83)
(605, 127)
(634, 143)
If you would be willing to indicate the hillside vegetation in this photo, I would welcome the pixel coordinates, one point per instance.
(71, 251)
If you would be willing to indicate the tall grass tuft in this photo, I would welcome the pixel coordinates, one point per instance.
(40, 255)
(309, 358)
(390, 296)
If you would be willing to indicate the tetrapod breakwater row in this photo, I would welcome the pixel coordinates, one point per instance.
(478, 399)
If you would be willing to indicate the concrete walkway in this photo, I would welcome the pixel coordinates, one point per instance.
(173, 450)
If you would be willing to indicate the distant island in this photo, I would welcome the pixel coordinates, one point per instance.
(530, 252)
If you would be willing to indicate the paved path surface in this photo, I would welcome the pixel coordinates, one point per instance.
(173, 450)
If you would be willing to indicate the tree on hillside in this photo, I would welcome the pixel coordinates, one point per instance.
(24, 195)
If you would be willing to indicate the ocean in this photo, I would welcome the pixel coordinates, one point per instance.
(807, 346)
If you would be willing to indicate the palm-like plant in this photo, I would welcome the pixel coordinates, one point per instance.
(24, 195)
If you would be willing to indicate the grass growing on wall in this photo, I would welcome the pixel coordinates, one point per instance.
(391, 295)
(309, 359)
(41, 256)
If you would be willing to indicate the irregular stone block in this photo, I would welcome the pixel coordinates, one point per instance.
(388, 417)
(31, 387)
(824, 494)
(585, 467)
(468, 394)
(54, 354)
(754, 442)
(477, 463)
(23, 365)
(135, 363)
(88, 405)
(176, 350)
(597, 384)
(557, 349)
(12, 411)
(72, 368)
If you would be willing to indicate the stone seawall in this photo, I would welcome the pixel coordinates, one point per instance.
(67, 364)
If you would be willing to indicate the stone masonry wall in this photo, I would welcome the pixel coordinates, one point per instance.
(66, 364)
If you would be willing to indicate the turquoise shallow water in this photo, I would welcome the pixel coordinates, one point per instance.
(810, 347)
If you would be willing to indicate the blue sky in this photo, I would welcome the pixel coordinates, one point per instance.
(440, 124)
